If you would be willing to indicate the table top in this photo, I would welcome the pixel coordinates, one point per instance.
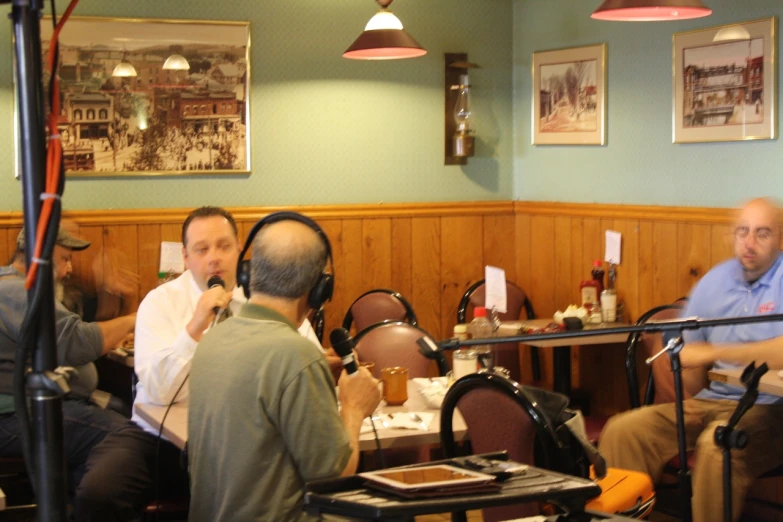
(175, 427)
(512, 328)
(349, 497)
(770, 382)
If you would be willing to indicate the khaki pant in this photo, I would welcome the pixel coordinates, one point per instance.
(646, 439)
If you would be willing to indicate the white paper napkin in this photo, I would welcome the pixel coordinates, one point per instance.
(401, 420)
(433, 390)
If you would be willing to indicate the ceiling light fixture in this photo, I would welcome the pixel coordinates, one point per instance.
(650, 10)
(384, 38)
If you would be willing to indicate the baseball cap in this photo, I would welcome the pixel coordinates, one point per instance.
(64, 239)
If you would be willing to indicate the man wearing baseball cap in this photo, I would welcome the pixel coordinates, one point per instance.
(79, 343)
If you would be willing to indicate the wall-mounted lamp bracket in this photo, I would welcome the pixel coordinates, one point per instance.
(458, 145)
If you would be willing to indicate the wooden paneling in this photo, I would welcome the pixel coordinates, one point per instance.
(431, 252)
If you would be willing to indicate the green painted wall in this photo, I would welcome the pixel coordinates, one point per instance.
(639, 164)
(326, 130)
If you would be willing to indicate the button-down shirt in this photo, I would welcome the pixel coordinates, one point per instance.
(724, 292)
(163, 347)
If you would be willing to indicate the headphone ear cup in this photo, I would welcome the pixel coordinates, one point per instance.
(321, 292)
(243, 277)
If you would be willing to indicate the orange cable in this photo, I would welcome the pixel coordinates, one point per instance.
(53, 152)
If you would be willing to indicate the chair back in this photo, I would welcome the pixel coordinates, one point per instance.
(499, 415)
(516, 302)
(660, 380)
(506, 355)
(377, 306)
(394, 344)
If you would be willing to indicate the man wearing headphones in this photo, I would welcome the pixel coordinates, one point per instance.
(263, 418)
(122, 472)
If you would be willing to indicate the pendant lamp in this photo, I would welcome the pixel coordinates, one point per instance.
(650, 10)
(384, 39)
(124, 69)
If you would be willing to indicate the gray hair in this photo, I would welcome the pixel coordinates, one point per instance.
(288, 271)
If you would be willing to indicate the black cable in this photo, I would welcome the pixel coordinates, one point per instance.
(157, 447)
(378, 449)
(26, 344)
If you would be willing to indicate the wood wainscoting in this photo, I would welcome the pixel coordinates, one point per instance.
(432, 252)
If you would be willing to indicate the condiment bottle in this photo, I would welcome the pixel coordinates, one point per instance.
(598, 274)
(481, 328)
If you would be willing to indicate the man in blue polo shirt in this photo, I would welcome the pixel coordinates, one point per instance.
(750, 284)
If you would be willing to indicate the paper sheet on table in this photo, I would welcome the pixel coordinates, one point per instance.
(613, 241)
(171, 257)
(495, 288)
(400, 420)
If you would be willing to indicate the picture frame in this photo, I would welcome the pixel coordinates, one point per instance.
(569, 96)
(725, 83)
(168, 117)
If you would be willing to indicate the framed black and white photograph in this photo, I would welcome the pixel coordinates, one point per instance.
(142, 97)
(725, 83)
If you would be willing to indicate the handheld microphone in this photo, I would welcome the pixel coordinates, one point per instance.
(343, 344)
(212, 282)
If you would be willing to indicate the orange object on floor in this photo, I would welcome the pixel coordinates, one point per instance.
(624, 492)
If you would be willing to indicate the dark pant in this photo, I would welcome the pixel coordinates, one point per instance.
(122, 473)
(84, 426)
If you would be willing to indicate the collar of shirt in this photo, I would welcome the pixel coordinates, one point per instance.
(764, 280)
(262, 313)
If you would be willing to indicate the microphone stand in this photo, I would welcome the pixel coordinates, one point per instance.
(673, 348)
(44, 454)
(727, 438)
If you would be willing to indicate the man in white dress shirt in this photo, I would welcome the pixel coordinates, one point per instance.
(121, 472)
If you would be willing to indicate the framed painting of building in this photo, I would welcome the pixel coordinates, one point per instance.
(143, 97)
(569, 96)
(725, 83)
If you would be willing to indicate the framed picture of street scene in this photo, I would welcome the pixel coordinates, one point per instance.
(569, 96)
(725, 83)
(143, 97)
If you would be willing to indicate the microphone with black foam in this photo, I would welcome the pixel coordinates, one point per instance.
(212, 282)
(343, 344)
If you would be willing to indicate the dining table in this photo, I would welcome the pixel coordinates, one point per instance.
(175, 426)
(562, 346)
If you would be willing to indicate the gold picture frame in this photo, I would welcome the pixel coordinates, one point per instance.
(725, 83)
(569, 96)
(170, 117)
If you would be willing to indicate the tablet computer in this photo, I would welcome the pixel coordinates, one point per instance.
(427, 477)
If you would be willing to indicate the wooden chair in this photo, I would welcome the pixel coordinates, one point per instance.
(506, 355)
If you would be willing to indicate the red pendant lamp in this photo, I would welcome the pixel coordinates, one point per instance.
(650, 10)
(384, 39)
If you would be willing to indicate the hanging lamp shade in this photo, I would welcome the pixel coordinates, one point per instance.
(124, 69)
(384, 38)
(176, 62)
(650, 10)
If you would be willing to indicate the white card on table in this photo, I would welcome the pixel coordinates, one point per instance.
(495, 288)
(613, 240)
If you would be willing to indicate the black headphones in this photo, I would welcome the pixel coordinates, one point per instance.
(324, 287)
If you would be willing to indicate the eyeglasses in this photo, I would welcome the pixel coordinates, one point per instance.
(761, 235)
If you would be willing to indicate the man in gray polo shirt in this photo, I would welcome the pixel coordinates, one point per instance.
(263, 413)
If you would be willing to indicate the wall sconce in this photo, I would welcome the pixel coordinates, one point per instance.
(459, 139)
